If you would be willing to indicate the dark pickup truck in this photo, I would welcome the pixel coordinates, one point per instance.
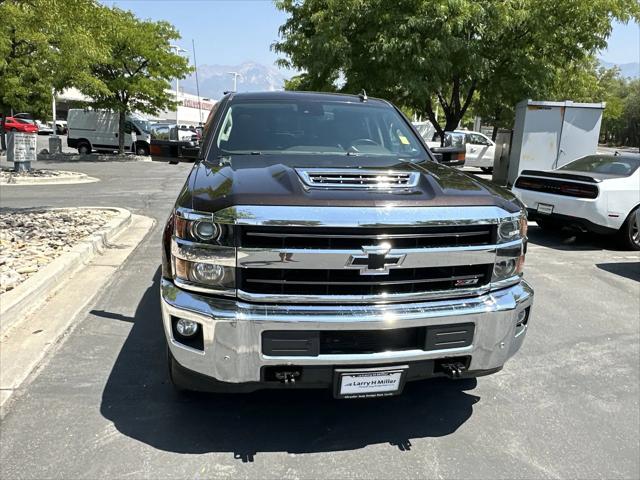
(318, 244)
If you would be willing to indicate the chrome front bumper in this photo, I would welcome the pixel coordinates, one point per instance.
(232, 330)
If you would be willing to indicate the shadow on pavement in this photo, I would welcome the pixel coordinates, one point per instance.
(629, 270)
(142, 404)
(566, 239)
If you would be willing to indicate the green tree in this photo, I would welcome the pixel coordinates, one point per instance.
(419, 52)
(45, 45)
(136, 73)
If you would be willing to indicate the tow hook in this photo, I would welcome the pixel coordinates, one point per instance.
(287, 376)
(454, 369)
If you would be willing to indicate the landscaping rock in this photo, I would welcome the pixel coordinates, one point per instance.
(31, 239)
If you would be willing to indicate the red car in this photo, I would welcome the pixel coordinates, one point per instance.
(12, 124)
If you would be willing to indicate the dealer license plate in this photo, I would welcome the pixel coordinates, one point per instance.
(374, 382)
(545, 208)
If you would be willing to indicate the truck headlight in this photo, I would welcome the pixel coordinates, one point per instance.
(200, 227)
(513, 228)
(202, 253)
(205, 274)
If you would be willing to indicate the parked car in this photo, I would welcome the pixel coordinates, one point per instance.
(98, 130)
(43, 128)
(13, 124)
(61, 127)
(165, 143)
(480, 150)
(317, 243)
(168, 131)
(451, 151)
(597, 193)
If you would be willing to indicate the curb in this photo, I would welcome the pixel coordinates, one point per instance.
(91, 157)
(67, 179)
(16, 304)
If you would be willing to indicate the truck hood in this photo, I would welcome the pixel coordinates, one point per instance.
(272, 180)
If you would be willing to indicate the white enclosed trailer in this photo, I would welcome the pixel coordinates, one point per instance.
(548, 135)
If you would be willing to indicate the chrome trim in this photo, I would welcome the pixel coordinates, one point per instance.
(232, 330)
(506, 282)
(373, 179)
(189, 214)
(307, 258)
(382, 236)
(383, 216)
(196, 287)
(203, 253)
(380, 282)
(381, 299)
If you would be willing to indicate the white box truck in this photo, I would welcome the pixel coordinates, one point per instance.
(97, 130)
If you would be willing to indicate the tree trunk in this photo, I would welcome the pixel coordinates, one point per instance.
(121, 122)
(496, 119)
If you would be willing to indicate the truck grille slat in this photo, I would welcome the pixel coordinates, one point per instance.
(354, 238)
(351, 282)
(378, 282)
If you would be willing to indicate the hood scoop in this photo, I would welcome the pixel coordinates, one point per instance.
(357, 178)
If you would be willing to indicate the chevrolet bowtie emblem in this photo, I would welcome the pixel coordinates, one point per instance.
(376, 260)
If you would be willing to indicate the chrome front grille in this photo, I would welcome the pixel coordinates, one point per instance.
(305, 264)
(283, 281)
(355, 178)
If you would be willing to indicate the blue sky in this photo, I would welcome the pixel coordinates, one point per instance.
(233, 31)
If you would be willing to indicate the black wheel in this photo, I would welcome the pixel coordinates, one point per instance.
(14, 129)
(84, 148)
(142, 150)
(487, 169)
(171, 367)
(629, 233)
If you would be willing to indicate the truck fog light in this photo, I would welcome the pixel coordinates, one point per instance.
(186, 328)
(205, 230)
(505, 268)
(207, 273)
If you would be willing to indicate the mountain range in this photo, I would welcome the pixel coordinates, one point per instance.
(215, 79)
(627, 70)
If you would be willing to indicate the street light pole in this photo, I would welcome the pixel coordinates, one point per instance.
(178, 51)
(53, 109)
(235, 80)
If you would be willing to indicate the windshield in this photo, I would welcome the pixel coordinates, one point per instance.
(142, 124)
(318, 128)
(622, 165)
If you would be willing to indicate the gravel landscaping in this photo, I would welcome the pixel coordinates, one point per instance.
(31, 239)
(9, 176)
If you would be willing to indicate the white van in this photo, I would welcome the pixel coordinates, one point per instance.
(96, 130)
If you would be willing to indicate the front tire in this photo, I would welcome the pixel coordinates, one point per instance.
(629, 233)
(171, 367)
(142, 150)
(84, 148)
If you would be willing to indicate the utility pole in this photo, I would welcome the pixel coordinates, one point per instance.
(195, 63)
(235, 80)
(178, 51)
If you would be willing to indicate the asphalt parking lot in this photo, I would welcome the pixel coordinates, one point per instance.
(101, 406)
